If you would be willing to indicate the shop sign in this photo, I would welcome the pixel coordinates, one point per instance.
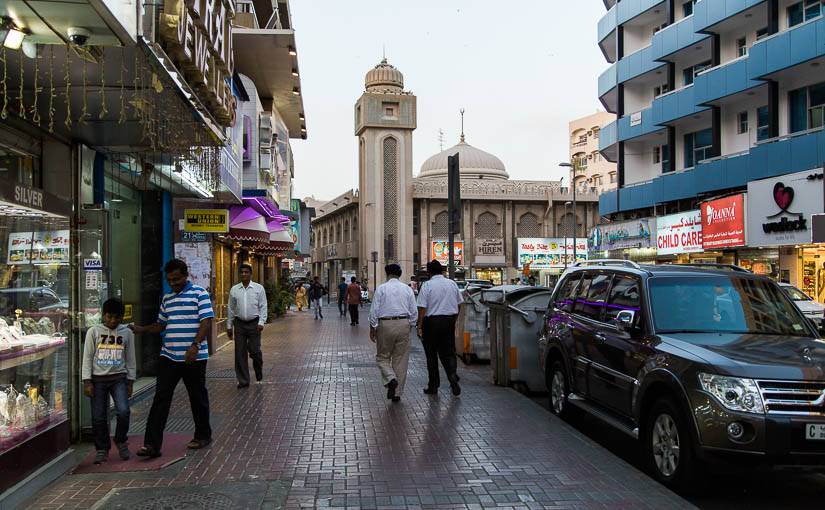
(92, 264)
(15, 194)
(625, 234)
(440, 251)
(128, 313)
(293, 232)
(679, 233)
(198, 35)
(635, 119)
(207, 220)
(490, 247)
(548, 252)
(39, 247)
(193, 237)
(723, 222)
(780, 209)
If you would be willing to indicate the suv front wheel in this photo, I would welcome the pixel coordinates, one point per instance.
(668, 446)
(557, 386)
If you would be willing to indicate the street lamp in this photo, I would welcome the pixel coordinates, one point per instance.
(565, 237)
(575, 219)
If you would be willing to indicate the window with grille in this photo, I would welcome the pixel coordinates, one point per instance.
(528, 226)
(390, 147)
(347, 236)
(567, 225)
(487, 226)
(441, 225)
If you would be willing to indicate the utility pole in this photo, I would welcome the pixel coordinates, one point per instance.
(453, 206)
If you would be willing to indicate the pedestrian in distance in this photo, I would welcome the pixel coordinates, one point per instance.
(301, 297)
(353, 295)
(184, 320)
(438, 304)
(246, 315)
(532, 281)
(342, 292)
(316, 292)
(307, 288)
(392, 314)
(108, 368)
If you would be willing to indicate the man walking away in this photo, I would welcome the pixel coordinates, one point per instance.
(392, 314)
(438, 303)
(316, 293)
(184, 320)
(342, 294)
(353, 294)
(246, 316)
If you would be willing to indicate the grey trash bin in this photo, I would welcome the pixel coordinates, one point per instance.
(515, 324)
(472, 332)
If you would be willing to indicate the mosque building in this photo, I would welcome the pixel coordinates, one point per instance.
(394, 216)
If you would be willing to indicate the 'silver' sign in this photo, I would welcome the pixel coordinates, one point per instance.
(198, 35)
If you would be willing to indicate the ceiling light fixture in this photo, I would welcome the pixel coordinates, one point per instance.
(294, 72)
(296, 91)
(301, 116)
(14, 34)
(292, 51)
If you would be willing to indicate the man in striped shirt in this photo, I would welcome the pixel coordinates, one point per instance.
(184, 321)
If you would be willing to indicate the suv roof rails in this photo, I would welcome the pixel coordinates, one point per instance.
(606, 262)
(731, 267)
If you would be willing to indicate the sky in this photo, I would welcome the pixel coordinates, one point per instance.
(521, 70)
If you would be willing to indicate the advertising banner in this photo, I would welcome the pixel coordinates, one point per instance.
(39, 247)
(723, 222)
(623, 234)
(548, 252)
(679, 233)
(440, 251)
(780, 209)
(206, 220)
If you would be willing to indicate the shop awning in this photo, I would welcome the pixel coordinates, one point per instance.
(257, 199)
(247, 224)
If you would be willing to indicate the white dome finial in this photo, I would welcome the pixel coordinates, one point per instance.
(462, 125)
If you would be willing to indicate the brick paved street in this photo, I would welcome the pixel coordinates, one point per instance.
(320, 432)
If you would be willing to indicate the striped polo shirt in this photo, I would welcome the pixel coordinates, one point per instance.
(182, 313)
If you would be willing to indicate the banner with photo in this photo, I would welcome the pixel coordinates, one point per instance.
(39, 247)
(549, 252)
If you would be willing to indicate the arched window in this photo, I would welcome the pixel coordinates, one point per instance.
(528, 226)
(355, 228)
(347, 233)
(441, 225)
(567, 226)
(487, 226)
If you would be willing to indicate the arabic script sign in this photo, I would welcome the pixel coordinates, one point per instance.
(723, 222)
(679, 233)
(549, 252)
(625, 234)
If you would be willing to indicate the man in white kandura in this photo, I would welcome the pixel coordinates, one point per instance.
(392, 314)
(246, 315)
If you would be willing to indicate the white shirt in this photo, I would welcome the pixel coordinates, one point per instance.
(246, 303)
(393, 299)
(440, 296)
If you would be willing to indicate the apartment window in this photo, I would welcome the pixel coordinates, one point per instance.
(763, 123)
(595, 132)
(597, 180)
(666, 167)
(741, 47)
(596, 157)
(660, 27)
(612, 177)
(691, 72)
(743, 122)
(661, 89)
(687, 8)
(806, 105)
(698, 146)
(583, 162)
(801, 12)
(582, 138)
(657, 155)
(762, 32)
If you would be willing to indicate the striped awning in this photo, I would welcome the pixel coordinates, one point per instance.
(247, 224)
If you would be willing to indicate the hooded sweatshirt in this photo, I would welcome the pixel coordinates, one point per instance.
(109, 353)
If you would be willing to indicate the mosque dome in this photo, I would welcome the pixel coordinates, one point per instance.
(384, 78)
(473, 164)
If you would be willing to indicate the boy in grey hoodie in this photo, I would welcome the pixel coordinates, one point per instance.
(109, 369)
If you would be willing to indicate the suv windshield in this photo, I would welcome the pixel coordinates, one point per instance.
(721, 304)
(796, 294)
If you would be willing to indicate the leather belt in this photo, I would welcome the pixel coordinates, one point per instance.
(394, 318)
(250, 320)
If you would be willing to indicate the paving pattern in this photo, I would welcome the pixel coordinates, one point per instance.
(320, 426)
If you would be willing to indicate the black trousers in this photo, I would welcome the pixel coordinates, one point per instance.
(342, 306)
(194, 378)
(439, 342)
(247, 342)
(353, 314)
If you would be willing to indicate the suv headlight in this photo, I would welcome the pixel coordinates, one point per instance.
(735, 393)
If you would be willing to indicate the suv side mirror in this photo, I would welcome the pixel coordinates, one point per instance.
(626, 322)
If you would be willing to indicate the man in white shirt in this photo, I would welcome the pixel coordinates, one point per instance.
(392, 314)
(246, 316)
(438, 303)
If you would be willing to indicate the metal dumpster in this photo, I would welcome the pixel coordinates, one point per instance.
(472, 331)
(515, 323)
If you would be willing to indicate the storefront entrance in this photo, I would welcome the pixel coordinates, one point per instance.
(495, 275)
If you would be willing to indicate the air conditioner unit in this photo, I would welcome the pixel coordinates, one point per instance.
(266, 159)
(265, 133)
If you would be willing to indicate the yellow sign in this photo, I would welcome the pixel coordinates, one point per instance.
(207, 220)
(128, 313)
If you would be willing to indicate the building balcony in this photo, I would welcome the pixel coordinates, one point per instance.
(787, 49)
(723, 81)
(607, 32)
(675, 105)
(636, 125)
(632, 66)
(675, 37)
(709, 14)
(608, 137)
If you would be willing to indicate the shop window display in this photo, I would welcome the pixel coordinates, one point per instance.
(34, 323)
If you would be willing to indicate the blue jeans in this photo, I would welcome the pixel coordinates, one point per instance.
(318, 308)
(100, 412)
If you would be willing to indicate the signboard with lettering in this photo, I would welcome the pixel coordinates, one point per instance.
(549, 252)
(780, 209)
(193, 237)
(490, 247)
(198, 36)
(207, 220)
(39, 247)
(440, 251)
(623, 234)
(635, 119)
(18, 195)
(723, 222)
(679, 233)
(92, 264)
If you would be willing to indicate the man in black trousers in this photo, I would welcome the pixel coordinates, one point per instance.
(438, 304)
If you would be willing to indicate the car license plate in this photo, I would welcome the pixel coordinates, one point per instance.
(815, 431)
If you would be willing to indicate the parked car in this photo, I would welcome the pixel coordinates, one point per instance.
(474, 282)
(29, 299)
(813, 310)
(701, 364)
